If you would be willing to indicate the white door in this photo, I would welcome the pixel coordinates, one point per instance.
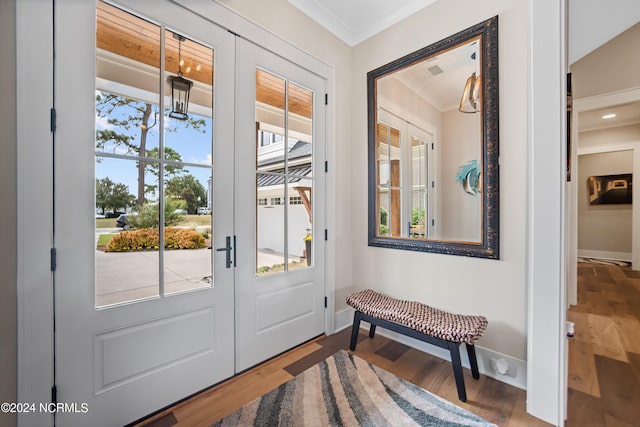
(139, 327)
(280, 179)
(408, 179)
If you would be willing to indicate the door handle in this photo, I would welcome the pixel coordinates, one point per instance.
(227, 249)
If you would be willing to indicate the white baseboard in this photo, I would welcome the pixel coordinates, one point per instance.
(616, 256)
(516, 374)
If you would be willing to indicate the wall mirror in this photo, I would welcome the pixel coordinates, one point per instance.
(433, 147)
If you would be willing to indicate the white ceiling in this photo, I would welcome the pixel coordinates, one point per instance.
(444, 89)
(354, 21)
(626, 114)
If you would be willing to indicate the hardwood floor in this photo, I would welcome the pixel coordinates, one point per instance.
(604, 366)
(491, 399)
(604, 354)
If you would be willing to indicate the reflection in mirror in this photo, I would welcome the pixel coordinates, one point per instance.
(433, 147)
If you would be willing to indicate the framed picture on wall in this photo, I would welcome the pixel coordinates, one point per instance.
(610, 189)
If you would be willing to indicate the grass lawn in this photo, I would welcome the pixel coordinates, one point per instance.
(105, 222)
(104, 239)
(195, 220)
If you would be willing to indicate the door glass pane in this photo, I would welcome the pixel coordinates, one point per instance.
(127, 133)
(299, 177)
(419, 175)
(187, 232)
(389, 154)
(270, 223)
(126, 239)
(188, 140)
(271, 145)
(300, 230)
(270, 121)
(284, 173)
(136, 145)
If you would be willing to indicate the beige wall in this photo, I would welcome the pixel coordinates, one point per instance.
(8, 196)
(603, 137)
(461, 212)
(612, 67)
(495, 288)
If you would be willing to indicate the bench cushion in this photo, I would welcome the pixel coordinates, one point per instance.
(412, 314)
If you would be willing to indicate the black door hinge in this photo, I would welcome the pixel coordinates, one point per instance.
(326, 234)
(325, 302)
(54, 259)
(53, 119)
(326, 99)
(433, 222)
(54, 394)
(326, 166)
(433, 146)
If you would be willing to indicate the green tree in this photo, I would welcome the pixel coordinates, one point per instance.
(111, 195)
(103, 187)
(120, 197)
(189, 189)
(170, 170)
(129, 122)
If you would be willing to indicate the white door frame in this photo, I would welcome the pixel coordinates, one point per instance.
(34, 88)
(34, 26)
(546, 341)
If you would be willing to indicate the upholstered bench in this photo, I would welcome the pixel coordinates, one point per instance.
(417, 320)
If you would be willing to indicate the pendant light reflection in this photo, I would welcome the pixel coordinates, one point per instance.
(470, 102)
(180, 88)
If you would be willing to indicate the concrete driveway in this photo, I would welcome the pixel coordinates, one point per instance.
(129, 276)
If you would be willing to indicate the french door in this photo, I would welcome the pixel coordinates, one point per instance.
(280, 209)
(140, 325)
(189, 246)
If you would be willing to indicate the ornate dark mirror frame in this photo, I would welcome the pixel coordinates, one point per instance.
(488, 247)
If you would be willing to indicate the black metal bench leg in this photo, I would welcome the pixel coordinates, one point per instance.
(454, 349)
(473, 361)
(372, 330)
(354, 330)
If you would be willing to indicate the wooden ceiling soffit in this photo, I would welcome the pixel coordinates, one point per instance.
(270, 90)
(127, 35)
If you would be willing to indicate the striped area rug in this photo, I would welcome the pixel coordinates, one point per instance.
(344, 390)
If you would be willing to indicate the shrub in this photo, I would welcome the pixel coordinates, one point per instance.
(148, 216)
(147, 239)
(183, 238)
(417, 216)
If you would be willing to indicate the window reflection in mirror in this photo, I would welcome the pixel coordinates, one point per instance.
(433, 147)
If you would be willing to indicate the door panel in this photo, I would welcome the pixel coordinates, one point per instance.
(138, 330)
(280, 194)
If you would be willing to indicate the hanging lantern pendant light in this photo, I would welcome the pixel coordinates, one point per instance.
(180, 88)
(470, 102)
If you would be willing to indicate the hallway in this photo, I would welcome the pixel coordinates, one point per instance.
(604, 354)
